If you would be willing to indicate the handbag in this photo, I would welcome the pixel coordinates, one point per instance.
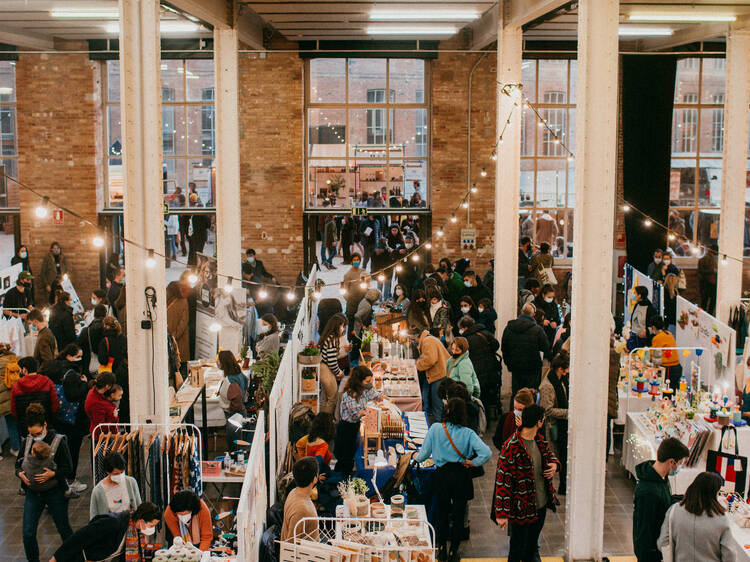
(681, 281)
(474, 471)
(667, 552)
(94, 360)
(110, 361)
(731, 467)
(549, 275)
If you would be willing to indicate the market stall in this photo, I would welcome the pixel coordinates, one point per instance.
(398, 380)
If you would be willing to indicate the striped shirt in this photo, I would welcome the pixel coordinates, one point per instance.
(329, 351)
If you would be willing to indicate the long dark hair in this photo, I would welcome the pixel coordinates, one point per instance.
(455, 412)
(355, 384)
(333, 328)
(322, 427)
(700, 497)
(228, 363)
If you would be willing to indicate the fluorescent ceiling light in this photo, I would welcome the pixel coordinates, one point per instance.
(677, 17)
(631, 31)
(421, 30)
(390, 14)
(87, 13)
(167, 26)
(5, 91)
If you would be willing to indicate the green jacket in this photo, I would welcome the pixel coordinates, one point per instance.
(461, 369)
(651, 500)
(455, 284)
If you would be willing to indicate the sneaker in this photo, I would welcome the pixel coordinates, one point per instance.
(71, 495)
(78, 486)
(21, 492)
(14, 452)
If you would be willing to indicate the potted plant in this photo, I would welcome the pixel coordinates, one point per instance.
(265, 369)
(353, 492)
(244, 355)
(310, 355)
(309, 375)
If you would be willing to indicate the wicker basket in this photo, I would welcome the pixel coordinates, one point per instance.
(308, 385)
(308, 359)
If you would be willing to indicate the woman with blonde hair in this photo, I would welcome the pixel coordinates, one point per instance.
(670, 302)
(113, 347)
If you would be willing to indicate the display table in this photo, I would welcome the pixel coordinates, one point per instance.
(631, 402)
(390, 323)
(398, 380)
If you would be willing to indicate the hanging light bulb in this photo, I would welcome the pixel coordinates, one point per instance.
(474, 188)
(696, 250)
(192, 279)
(363, 285)
(494, 156)
(671, 237)
(399, 269)
(562, 222)
(150, 261)
(539, 123)
(97, 241)
(428, 246)
(625, 208)
(439, 232)
(724, 260)
(290, 296)
(453, 218)
(65, 277)
(381, 278)
(647, 223)
(342, 290)
(316, 295)
(262, 294)
(43, 209)
(215, 327)
(483, 173)
(415, 257)
(46, 314)
(228, 287)
(570, 158)
(465, 204)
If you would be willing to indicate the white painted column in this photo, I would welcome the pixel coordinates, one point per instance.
(507, 176)
(733, 177)
(140, 87)
(228, 223)
(595, 181)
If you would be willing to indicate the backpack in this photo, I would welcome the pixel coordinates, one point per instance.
(68, 410)
(12, 371)
(300, 420)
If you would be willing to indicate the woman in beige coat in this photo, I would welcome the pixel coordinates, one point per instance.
(177, 322)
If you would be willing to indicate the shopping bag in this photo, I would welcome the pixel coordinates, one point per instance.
(731, 467)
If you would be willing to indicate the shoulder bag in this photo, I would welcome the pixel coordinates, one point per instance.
(474, 471)
(667, 552)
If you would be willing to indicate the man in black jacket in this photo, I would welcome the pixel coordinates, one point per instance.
(18, 296)
(483, 354)
(545, 301)
(523, 345)
(474, 288)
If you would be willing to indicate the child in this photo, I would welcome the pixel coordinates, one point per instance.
(115, 395)
(36, 463)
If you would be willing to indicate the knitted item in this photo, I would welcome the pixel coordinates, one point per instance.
(135, 544)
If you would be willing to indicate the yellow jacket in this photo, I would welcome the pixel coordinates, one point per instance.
(432, 357)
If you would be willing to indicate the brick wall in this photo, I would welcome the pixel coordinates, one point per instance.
(271, 167)
(449, 128)
(59, 134)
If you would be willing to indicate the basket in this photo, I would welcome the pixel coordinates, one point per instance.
(308, 359)
(211, 468)
(308, 385)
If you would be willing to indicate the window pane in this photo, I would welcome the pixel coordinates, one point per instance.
(200, 79)
(368, 131)
(7, 81)
(415, 180)
(372, 177)
(681, 224)
(571, 185)
(172, 80)
(327, 80)
(174, 175)
(173, 129)
(712, 132)
(547, 228)
(553, 81)
(573, 81)
(682, 183)
(527, 183)
(200, 121)
(7, 131)
(550, 183)
(407, 79)
(113, 80)
(708, 227)
(550, 138)
(411, 131)
(12, 198)
(528, 77)
(328, 181)
(684, 132)
(366, 75)
(712, 80)
(200, 172)
(116, 182)
(114, 128)
(686, 88)
(709, 182)
(326, 132)
(528, 132)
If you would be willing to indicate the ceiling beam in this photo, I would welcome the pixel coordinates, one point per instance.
(217, 13)
(249, 27)
(26, 40)
(518, 13)
(684, 36)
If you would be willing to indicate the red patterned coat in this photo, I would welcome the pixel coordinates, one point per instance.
(515, 492)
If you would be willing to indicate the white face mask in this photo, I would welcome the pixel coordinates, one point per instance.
(409, 245)
(148, 531)
(185, 517)
(667, 262)
(467, 283)
(94, 302)
(549, 299)
(264, 328)
(480, 309)
(465, 309)
(117, 478)
(250, 260)
(657, 260)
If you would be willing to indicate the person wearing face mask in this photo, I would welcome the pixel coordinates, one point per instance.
(460, 368)
(473, 287)
(188, 517)
(299, 505)
(400, 298)
(512, 420)
(466, 307)
(116, 286)
(98, 296)
(45, 348)
(643, 311)
(670, 359)
(61, 320)
(486, 315)
(417, 314)
(330, 371)
(117, 492)
(653, 497)
(113, 536)
(54, 267)
(32, 388)
(18, 297)
(53, 499)
(98, 408)
(268, 332)
(545, 301)
(22, 256)
(439, 313)
(553, 397)
(654, 268)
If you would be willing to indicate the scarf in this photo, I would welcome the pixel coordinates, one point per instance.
(135, 544)
(190, 534)
(561, 390)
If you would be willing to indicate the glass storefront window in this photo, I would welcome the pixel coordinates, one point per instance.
(9, 194)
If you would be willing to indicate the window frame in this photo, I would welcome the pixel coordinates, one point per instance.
(13, 106)
(352, 159)
(176, 106)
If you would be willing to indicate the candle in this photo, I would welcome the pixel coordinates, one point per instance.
(736, 416)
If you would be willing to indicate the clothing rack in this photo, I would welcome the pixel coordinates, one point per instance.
(739, 320)
(150, 449)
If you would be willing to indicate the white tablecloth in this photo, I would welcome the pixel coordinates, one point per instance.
(632, 402)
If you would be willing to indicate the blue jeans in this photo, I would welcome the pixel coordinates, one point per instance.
(326, 254)
(15, 439)
(33, 507)
(431, 402)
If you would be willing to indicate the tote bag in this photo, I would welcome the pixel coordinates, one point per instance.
(731, 467)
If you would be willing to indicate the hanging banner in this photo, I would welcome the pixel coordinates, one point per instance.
(75, 302)
(697, 328)
(205, 310)
(633, 279)
(8, 277)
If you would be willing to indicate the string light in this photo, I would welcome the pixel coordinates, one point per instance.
(262, 294)
(465, 204)
(483, 173)
(415, 257)
(453, 218)
(724, 260)
(65, 277)
(428, 246)
(342, 290)
(439, 232)
(671, 237)
(151, 262)
(192, 279)
(625, 208)
(43, 209)
(316, 295)
(381, 278)
(228, 287)
(696, 250)
(97, 241)
(494, 155)
(290, 296)
(363, 285)
(647, 223)
(399, 269)
(474, 188)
